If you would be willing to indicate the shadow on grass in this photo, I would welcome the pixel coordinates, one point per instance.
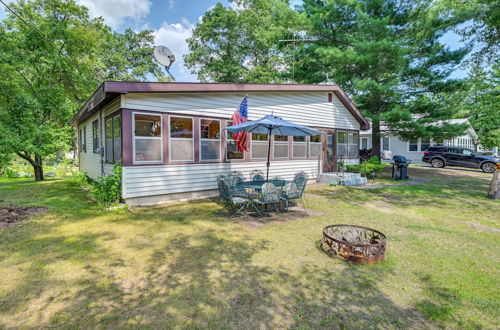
(209, 281)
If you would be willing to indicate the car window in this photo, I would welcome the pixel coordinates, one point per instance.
(468, 152)
(453, 151)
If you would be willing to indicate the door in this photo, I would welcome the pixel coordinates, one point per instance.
(468, 158)
(452, 156)
(329, 152)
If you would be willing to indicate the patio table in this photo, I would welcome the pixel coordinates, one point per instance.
(258, 184)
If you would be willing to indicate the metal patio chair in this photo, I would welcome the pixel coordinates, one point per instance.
(269, 195)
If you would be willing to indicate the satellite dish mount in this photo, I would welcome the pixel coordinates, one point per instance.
(165, 57)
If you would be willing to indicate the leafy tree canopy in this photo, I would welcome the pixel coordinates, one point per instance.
(53, 55)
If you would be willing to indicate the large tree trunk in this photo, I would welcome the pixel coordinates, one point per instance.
(38, 168)
(495, 186)
(376, 138)
(37, 163)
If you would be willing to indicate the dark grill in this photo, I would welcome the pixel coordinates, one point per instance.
(400, 167)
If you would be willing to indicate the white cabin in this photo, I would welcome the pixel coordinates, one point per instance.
(170, 140)
(391, 145)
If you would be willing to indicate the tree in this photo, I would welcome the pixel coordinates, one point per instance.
(241, 45)
(388, 56)
(52, 57)
(481, 103)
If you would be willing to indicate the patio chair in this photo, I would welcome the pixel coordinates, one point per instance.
(220, 178)
(300, 181)
(237, 202)
(290, 192)
(257, 175)
(270, 195)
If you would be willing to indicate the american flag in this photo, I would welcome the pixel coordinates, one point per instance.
(240, 115)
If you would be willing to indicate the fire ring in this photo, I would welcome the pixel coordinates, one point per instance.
(357, 244)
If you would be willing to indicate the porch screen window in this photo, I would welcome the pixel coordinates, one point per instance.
(424, 144)
(148, 143)
(181, 139)
(342, 144)
(280, 146)
(84, 147)
(259, 145)
(299, 147)
(232, 151)
(315, 146)
(95, 136)
(385, 143)
(413, 145)
(353, 145)
(113, 137)
(209, 139)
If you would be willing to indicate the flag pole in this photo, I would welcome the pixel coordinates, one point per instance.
(268, 153)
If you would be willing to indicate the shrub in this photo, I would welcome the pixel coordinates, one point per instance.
(80, 178)
(368, 168)
(108, 190)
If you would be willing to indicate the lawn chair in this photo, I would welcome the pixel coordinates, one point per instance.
(237, 202)
(300, 181)
(257, 175)
(290, 192)
(270, 195)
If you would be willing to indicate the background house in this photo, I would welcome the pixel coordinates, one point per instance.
(392, 145)
(170, 139)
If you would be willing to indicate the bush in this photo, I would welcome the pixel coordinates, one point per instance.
(80, 178)
(108, 190)
(368, 168)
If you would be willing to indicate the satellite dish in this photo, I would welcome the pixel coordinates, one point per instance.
(164, 56)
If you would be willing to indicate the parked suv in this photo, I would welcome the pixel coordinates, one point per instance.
(441, 156)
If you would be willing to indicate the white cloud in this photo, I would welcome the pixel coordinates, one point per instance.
(115, 12)
(174, 35)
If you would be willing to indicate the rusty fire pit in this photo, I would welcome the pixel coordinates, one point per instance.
(355, 243)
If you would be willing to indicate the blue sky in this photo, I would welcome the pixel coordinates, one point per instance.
(172, 22)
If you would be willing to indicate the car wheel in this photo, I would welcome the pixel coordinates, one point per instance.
(436, 162)
(488, 167)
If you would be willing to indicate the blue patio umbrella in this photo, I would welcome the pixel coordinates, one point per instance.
(273, 125)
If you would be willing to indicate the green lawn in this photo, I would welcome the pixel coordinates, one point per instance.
(187, 265)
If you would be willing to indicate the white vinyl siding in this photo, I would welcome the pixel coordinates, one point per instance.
(310, 109)
(90, 162)
(139, 181)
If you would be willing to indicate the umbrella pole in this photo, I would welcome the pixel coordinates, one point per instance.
(268, 153)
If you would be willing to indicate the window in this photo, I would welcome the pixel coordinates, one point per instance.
(232, 151)
(259, 145)
(329, 148)
(424, 144)
(209, 139)
(385, 143)
(280, 146)
(299, 147)
(353, 145)
(468, 152)
(95, 136)
(113, 135)
(413, 145)
(84, 139)
(80, 140)
(148, 144)
(315, 146)
(181, 139)
(364, 143)
(342, 144)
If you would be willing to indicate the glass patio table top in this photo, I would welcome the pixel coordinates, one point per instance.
(258, 184)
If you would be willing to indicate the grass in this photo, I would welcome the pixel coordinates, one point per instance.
(186, 265)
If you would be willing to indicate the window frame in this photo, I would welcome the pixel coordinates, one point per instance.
(201, 139)
(299, 143)
(417, 142)
(287, 143)
(227, 139)
(138, 162)
(84, 139)
(421, 143)
(95, 139)
(251, 146)
(320, 143)
(171, 138)
(112, 118)
(346, 143)
(382, 143)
